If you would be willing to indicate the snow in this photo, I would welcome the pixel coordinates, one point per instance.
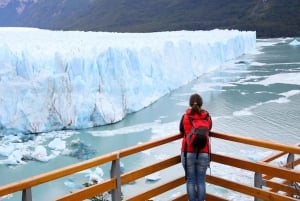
(54, 80)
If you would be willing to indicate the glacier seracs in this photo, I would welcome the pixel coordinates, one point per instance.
(53, 80)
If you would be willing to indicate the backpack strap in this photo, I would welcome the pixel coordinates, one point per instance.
(198, 149)
(191, 122)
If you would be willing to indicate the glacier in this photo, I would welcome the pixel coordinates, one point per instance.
(56, 80)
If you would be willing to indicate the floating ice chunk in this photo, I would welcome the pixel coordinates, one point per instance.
(257, 156)
(40, 154)
(176, 194)
(6, 197)
(11, 138)
(6, 150)
(290, 93)
(15, 158)
(161, 156)
(95, 176)
(245, 112)
(153, 177)
(57, 144)
(147, 152)
(285, 78)
(80, 150)
(72, 185)
(17, 155)
(99, 171)
(122, 167)
(294, 43)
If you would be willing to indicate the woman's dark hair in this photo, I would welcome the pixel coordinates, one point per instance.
(196, 104)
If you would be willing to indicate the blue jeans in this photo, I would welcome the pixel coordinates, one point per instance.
(195, 170)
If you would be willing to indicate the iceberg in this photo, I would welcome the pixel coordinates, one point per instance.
(153, 177)
(56, 80)
(294, 43)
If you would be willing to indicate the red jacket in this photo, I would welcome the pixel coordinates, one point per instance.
(185, 127)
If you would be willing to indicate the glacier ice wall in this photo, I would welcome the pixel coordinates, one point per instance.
(53, 80)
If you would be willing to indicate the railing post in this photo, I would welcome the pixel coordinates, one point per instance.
(115, 172)
(26, 195)
(290, 160)
(258, 183)
(290, 165)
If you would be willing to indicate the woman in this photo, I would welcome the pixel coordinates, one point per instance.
(195, 161)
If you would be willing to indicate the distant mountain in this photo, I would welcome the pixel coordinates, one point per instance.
(270, 18)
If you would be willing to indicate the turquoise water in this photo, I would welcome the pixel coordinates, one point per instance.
(256, 96)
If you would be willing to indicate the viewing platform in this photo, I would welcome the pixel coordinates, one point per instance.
(270, 181)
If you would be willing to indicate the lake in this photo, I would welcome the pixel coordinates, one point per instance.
(255, 96)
